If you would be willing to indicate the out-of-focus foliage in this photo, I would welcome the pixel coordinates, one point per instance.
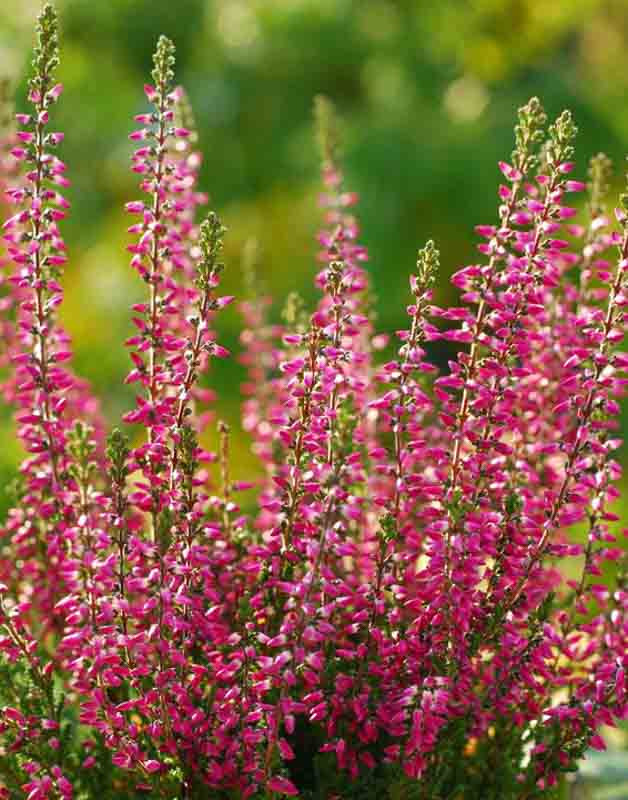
(428, 92)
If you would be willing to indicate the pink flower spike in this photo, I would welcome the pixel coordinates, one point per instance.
(420, 544)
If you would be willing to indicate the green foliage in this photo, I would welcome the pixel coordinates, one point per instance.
(211, 242)
(294, 312)
(164, 60)
(117, 453)
(46, 58)
(327, 132)
(561, 136)
(427, 266)
(600, 176)
(529, 133)
(81, 447)
(6, 106)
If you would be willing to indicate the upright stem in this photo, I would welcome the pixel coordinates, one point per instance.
(156, 267)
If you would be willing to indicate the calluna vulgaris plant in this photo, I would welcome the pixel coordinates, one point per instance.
(391, 619)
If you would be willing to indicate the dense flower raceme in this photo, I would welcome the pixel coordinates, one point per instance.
(46, 395)
(395, 600)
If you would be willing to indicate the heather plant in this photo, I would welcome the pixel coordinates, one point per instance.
(424, 598)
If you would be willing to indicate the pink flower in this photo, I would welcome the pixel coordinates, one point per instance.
(282, 786)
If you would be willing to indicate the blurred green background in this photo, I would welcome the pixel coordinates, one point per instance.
(428, 91)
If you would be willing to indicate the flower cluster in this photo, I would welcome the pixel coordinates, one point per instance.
(392, 610)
